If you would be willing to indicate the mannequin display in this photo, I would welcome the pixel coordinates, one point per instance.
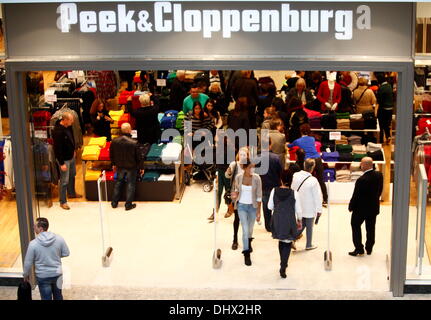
(329, 93)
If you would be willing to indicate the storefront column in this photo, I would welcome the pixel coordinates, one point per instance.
(401, 193)
(23, 172)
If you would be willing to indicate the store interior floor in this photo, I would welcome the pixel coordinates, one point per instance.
(170, 245)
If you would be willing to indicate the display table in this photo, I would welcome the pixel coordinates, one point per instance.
(145, 191)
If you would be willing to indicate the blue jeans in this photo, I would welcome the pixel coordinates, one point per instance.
(50, 288)
(307, 223)
(67, 180)
(125, 176)
(247, 216)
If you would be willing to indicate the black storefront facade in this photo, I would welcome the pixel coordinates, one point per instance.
(213, 35)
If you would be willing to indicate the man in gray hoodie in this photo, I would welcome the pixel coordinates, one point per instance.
(46, 252)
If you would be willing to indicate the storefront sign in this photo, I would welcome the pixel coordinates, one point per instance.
(334, 135)
(210, 28)
(168, 17)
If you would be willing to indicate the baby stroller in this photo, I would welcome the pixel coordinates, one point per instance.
(200, 172)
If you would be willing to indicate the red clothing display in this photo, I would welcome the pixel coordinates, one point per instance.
(109, 175)
(124, 95)
(104, 153)
(292, 153)
(324, 93)
(125, 118)
(422, 124)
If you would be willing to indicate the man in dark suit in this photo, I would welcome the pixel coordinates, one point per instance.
(365, 206)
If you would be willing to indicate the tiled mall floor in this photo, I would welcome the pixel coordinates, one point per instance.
(170, 245)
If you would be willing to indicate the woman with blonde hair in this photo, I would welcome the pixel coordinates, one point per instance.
(231, 173)
(247, 196)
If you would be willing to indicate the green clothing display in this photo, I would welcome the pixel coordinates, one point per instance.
(343, 115)
(358, 157)
(345, 148)
(155, 153)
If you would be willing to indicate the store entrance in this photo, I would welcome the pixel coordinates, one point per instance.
(167, 240)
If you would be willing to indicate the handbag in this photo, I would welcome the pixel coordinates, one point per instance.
(24, 291)
(229, 194)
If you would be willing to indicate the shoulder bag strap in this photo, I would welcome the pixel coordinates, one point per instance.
(360, 97)
(302, 183)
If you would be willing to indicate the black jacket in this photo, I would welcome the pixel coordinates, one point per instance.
(283, 220)
(177, 95)
(124, 153)
(240, 121)
(366, 196)
(147, 123)
(245, 87)
(64, 144)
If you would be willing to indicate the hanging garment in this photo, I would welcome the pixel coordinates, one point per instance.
(106, 84)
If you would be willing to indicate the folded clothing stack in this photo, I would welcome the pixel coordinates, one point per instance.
(155, 153)
(376, 155)
(344, 148)
(110, 175)
(345, 157)
(328, 146)
(315, 122)
(318, 146)
(343, 140)
(329, 121)
(124, 95)
(356, 116)
(312, 114)
(151, 176)
(329, 175)
(343, 176)
(370, 121)
(171, 152)
(357, 124)
(91, 153)
(92, 175)
(292, 153)
(166, 177)
(160, 116)
(358, 157)
(104, 153)
(125, 118)
(359, 149)
(371, 147)
(343, 123)
(368, 138)
(343, 115)
(355, 175)
(355, 167)
(116, 116)
(101, 142)
(330, 156)
(353, 139)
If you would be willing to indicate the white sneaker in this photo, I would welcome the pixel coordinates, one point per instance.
(311, 248)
